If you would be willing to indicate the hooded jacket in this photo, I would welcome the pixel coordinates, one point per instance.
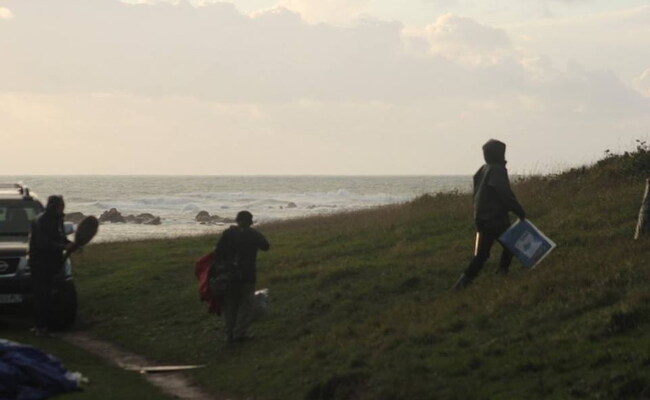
(493, 197)
(47, 239)
(241, 245)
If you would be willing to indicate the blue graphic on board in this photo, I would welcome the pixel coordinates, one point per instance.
(527, 243)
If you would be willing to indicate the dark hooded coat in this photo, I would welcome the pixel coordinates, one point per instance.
(493, 197)
(241, 245)
(47, 239)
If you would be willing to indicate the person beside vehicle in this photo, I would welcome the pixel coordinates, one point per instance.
(47, 244)
(493, 200)
(238, 247)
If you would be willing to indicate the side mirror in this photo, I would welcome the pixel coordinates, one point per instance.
(68, 228)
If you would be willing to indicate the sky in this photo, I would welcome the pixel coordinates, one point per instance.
(323, 87)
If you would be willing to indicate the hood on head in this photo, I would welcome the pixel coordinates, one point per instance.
(53, 204)
(245, 218)
(494, 152)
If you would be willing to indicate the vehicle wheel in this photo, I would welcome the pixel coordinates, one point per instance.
(64, 306)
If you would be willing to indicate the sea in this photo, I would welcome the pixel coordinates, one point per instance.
(178, 199)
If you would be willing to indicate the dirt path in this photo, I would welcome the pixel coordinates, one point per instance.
(175, 384)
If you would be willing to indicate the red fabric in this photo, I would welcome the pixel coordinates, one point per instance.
(201, 270)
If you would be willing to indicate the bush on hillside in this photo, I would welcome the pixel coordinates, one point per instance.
(634, 163)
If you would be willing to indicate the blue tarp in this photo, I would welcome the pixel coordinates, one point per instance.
(27, 373)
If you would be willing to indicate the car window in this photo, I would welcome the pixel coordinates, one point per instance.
(16, 218)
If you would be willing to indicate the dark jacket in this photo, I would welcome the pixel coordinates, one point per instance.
(47, 241)
(493, 197)
(241, 245)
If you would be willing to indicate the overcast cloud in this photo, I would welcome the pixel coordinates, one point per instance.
(175, 88)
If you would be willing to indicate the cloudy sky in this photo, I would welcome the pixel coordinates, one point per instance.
(318, 86)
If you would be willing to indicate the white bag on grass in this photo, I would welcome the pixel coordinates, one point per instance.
(262, 302)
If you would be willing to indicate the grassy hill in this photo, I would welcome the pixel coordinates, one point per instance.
(361, 307)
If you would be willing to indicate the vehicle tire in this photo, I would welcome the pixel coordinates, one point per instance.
(64, 306)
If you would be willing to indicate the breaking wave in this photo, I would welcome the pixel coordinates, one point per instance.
(177, 200)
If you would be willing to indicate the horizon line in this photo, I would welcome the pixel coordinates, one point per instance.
(234, 175)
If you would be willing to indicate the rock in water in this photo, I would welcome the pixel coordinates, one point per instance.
(205, 218)
(146, 216)
(154, 221)
(132, 219)
(202, 216)
(113, 216)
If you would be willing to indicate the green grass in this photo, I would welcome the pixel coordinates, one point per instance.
(361, 307)
(106, 381)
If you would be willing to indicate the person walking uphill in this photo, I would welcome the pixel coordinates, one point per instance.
(47, 242)
(493, 199)
(238, 247)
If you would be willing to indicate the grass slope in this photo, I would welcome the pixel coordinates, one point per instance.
(362, 310)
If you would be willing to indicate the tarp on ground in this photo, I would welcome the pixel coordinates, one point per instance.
(27, 373)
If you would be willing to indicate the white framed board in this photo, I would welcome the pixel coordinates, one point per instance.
(527, 243)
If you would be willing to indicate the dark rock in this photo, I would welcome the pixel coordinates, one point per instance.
(154, 221)
(74, 217)
(146, 216)
(205, 218)
(132, 219)
(292, 205)
(113, 216)
(202, 216)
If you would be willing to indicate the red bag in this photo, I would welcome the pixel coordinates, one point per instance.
(202, 270)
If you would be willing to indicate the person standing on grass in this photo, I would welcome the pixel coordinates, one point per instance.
(238, 245)
(493, 199)
(47, 242)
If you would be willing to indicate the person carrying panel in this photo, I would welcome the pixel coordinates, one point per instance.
(493, 200)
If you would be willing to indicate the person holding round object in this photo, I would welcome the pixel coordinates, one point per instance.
(47, 244)
(85, 232)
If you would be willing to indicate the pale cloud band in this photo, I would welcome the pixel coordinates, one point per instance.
(6, 13)
(187, 88)
(330, 11)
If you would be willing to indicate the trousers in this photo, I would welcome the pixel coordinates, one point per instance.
(42, 286)
(238, 310)
(485, 239)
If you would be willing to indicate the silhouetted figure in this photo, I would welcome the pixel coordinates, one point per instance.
(493, 199)
(239, 245)
(47, 243)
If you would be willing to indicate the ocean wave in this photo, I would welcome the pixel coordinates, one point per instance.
(177, 199)
(207, 201)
